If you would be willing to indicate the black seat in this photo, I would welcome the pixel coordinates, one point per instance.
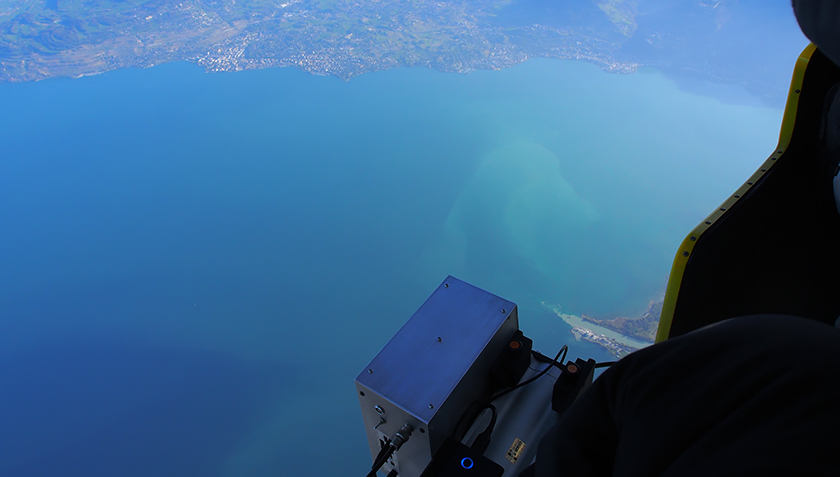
(774, 246)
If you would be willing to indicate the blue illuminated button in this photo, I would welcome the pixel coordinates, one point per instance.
(467, 463)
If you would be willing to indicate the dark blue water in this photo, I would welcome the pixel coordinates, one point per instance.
(194, 267)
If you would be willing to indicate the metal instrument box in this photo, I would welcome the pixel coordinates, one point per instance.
(432, 369)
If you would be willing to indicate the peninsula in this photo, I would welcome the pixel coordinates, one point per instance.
(621, 335)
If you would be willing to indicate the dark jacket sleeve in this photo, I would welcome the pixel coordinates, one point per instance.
(820, 22)
(755, 395)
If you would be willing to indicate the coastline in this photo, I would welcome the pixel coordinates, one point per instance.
(616, 343)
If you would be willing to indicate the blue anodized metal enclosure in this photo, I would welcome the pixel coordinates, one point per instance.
(432, 369)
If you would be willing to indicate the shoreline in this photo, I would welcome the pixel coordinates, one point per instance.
(577, 322)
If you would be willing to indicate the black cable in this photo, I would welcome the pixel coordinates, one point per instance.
(393, 473)
(545, 359)
(468, 416)
(483, 440)
(384, 454)
(554, 362)
(383, 450)
(605, 364)
(390, 446)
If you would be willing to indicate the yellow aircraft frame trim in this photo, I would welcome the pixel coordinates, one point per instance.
(685, 250)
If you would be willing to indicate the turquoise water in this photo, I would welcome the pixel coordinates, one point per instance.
(196, 266)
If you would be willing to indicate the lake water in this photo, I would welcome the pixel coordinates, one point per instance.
(196, 266)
